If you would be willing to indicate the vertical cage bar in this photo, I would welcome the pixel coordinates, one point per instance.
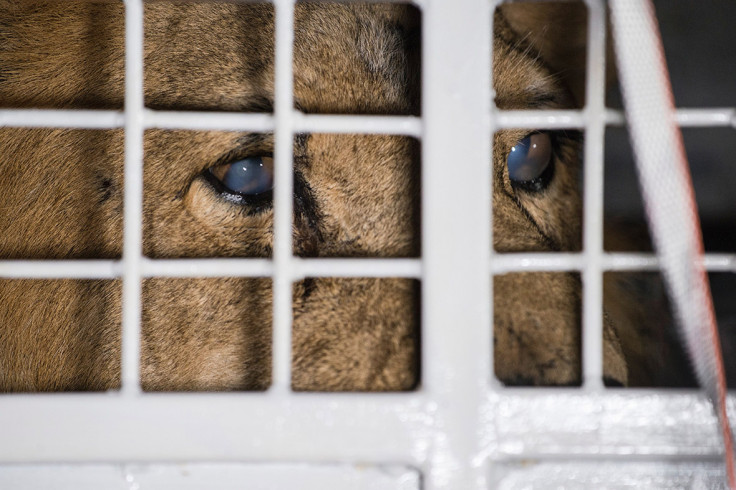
(133, 197)
(493, 117)
(592, 277)
(456, 298)
(283, 189)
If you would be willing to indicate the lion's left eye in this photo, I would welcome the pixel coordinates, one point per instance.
(247, 177)
(529, 158)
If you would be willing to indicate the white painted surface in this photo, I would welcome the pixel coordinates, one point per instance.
(456, 238)
(368, 428)
(592, 273)
(209, 476)
(609, 475)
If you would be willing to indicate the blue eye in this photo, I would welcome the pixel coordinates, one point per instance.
(247, 177)
(529, 158)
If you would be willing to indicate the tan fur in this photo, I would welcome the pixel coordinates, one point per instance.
(356, 196)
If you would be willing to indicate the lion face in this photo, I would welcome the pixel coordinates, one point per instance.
(354, 196)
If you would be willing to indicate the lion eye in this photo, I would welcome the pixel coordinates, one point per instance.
(529, 158)
(247, 177)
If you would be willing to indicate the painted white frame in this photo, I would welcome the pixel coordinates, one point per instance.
(460, 429)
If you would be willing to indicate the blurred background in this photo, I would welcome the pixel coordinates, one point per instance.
(700, 46)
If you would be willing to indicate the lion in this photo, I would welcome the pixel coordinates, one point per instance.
(61, 193)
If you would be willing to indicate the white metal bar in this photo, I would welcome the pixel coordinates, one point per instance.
(540, 119)
(706, 117)
(60, 269)
(374, 428)
(58, 118)
(300, 269)
(693, 118)
(631, 261)
(221, 267)
(574, 119)
(615, 117)
(202, 121)
(456, 335)
(331, 123)
(720, 262)
(572, 261)
(306, 123)
(133, 198)
(504, 263)
(347, 124)
(214, 476)
(412, 268)
(592, 274)
(283, 190)
(612, 474)
(573, 423)
(367, 428)
(493, 125)
(199, 121)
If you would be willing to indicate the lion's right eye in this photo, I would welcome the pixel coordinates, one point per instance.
(529, 159)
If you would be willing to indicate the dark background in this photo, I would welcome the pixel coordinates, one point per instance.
(700, 46)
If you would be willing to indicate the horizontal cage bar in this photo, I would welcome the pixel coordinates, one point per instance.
(350, 267)
(578, 119)
(331, 123)
(562, 423)
(212, 121)
(61, 118)
(398, 125)
(215, 427)
(60, 269)
(209, 121)
(571, 261)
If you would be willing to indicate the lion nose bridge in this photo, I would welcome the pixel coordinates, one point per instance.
(307, 219)
(513, 229)
(537, 328)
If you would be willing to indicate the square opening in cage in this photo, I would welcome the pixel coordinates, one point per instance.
(709, 152)
(537, 195)
(60, 335)
(356, 334)
(540, 51)
(62, 193)
(355, 58)
(537, 329)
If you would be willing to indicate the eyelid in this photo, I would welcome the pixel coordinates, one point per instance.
(250, 145)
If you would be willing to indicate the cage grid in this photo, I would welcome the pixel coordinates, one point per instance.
(460, 429)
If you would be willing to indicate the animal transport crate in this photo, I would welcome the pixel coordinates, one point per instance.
(460, 429)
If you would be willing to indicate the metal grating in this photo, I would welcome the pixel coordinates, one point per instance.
(461, 422)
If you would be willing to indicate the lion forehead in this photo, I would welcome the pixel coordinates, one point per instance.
(347, 58)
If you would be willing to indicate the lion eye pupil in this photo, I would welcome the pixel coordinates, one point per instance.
(529, 158)
(249, 176)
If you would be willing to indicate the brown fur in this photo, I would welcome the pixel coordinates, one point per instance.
(355, 196)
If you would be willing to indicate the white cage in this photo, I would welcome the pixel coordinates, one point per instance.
(461, 429)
